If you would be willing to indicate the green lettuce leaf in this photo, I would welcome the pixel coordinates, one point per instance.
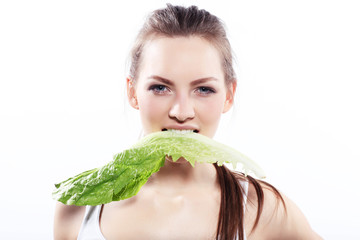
(123, 177)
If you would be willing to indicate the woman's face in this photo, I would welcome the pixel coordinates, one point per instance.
(180, 85)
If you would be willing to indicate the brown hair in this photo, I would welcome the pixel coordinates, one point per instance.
(231, 221)
(176, 21)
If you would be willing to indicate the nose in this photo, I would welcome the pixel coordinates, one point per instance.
(182, 109)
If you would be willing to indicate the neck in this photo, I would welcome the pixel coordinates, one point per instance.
(181, 174)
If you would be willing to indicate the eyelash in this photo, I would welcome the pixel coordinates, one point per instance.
(161, 89)
(206, 90)
(156, 88)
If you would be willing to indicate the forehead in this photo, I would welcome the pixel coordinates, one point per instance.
(181, 58)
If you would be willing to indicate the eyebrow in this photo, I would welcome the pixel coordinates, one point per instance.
(193, 83)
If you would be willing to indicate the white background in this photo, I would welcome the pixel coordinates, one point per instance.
(63, 109)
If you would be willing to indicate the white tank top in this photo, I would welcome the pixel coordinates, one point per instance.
(90, 227)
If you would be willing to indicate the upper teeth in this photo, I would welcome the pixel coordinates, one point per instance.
(183, 131)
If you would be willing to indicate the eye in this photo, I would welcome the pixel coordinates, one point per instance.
(205, 90)
(158, 89)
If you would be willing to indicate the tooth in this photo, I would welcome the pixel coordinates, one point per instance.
(181, 131)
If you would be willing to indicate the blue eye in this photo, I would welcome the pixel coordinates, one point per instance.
(158, 88)
(205, 90)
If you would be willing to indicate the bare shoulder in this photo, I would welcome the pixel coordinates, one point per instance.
(280, 217)
(67, 221)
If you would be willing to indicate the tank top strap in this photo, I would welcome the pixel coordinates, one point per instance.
(90, 227)
(245, 187)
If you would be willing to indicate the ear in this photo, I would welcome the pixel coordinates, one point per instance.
(131, 93)
(229, 101)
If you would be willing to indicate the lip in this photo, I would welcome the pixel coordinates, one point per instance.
(182, 127)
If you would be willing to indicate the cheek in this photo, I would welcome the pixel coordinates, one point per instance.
(211, 117)
(152, 110)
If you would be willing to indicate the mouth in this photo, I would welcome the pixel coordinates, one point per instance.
(181, 130)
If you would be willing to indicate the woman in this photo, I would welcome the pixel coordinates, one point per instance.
(182, 78)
